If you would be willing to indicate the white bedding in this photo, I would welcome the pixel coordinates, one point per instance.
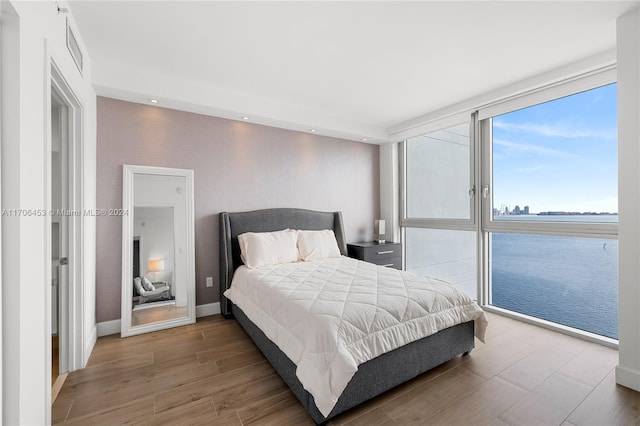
(331, 315)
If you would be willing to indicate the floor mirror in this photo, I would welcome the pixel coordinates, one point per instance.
(158, 266)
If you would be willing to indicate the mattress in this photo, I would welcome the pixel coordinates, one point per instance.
(330, 316)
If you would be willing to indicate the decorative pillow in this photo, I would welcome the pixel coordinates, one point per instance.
(268, 248)
(146, 284)
(137, 282)
(317, 245)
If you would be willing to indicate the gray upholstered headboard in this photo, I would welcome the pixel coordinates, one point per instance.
(234, 224)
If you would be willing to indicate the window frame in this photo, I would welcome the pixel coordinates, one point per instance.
(607, 230)
(441, 223)
(473, 223)
(550, 93)
(481, 169)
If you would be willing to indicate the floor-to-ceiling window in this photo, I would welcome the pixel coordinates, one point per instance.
(541, 229)
(551, 210)
(438, 210)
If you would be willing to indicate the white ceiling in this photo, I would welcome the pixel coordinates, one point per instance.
(347, 69)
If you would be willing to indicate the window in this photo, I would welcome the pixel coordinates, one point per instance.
(558, 159)
(552, 178)
(539, 236)
(438, 174)
(439, 231)
(567, 280)
(445, 254)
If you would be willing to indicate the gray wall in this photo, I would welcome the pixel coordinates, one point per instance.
(237, 166)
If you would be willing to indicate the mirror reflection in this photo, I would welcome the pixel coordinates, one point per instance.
(155, 290)
(158, 288)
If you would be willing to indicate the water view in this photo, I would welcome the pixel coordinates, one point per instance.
(567, 280)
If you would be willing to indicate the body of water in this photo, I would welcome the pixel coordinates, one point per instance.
(567, 280)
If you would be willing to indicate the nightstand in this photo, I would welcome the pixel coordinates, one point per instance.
(384, 254)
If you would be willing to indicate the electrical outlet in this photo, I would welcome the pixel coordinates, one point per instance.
(209, 281)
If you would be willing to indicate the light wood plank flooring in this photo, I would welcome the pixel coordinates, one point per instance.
(211, 373)
(55, 359)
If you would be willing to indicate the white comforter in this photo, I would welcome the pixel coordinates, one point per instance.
(329, 316)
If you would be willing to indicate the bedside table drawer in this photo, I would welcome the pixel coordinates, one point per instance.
(394, 262)
(385, 254)
(377, 254)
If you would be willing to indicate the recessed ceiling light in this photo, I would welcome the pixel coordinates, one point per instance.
(244, 117)
(363, 139)
(312, 130)
(153, 101)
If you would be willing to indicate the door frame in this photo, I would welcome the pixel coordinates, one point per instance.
(63, 273)
(71, 326)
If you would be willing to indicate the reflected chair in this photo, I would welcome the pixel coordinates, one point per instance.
(161, 292)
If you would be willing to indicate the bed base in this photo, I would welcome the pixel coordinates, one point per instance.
(373, 377)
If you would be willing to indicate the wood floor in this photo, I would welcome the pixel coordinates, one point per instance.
(57, 379)
(211, 373)
(55, 359)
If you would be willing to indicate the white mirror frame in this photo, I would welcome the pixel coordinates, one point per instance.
(129, 172)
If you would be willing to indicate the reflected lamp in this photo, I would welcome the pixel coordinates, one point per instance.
(155, 266)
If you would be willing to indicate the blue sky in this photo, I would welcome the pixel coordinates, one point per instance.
(559, 156)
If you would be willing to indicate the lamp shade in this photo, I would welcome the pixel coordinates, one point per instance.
(379, 226)
(156, 265)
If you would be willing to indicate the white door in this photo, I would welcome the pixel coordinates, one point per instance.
(60, 224)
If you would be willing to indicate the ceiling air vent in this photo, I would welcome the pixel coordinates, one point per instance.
(74, 48)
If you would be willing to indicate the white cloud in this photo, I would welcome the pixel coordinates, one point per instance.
(528, 148)
(562, 130)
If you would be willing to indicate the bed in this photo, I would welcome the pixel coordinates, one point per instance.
(374, 376)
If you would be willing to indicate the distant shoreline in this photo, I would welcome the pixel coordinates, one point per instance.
(575, 214)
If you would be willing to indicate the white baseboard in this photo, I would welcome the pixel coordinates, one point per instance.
(628, 377)
(107, 328)
(208, 309)
(89, 347)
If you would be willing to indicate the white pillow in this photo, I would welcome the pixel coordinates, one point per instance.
(146, 284)
(317, 245)
(268, 248)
